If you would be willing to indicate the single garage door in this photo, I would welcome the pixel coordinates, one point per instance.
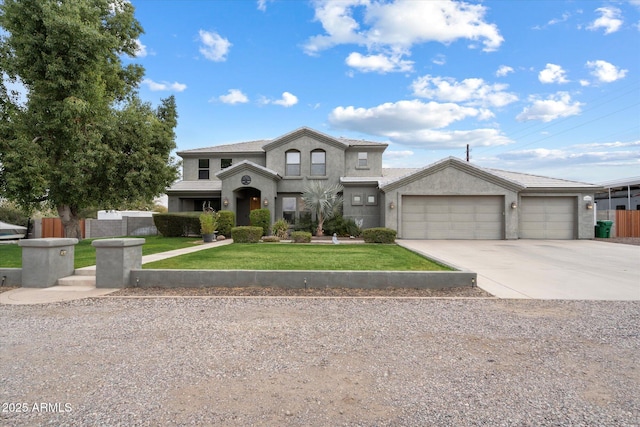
(453, 217)
(547, 218)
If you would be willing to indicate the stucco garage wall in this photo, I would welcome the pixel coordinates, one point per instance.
(584, 221)
(450, 181)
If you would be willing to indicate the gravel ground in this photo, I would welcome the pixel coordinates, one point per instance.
(320, 362)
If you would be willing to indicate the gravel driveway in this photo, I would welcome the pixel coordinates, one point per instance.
(320, 362)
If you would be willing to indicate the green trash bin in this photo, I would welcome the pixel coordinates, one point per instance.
(603, 229)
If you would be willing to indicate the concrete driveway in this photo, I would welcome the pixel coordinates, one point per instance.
(543, 269)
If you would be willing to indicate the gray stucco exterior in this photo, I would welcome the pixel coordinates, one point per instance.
(257, 176)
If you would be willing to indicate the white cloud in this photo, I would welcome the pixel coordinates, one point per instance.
(439, 59)
(401, 154)
(569, 156)
(609, 20)
(447, 139)
(504, 70)
(262, 4)
(378, 63)
(164, 86)
(605, 72)
(473, 91)
(402, 114)
(141, 50)
(234, 96)
(288, 100)
(394, 27)
(552, 74)
(554, 107)
(214, 47)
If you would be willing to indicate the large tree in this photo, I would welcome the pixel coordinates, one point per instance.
(82, 137)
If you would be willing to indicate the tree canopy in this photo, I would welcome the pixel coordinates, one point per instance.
(82, 137)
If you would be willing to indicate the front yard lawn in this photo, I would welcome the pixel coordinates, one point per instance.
(85, 254)
(286, 256)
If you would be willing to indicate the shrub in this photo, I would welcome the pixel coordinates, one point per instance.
(301, 237)
(270, 239)
(208, 222)
(379, 235)
(246, 234)
(226, 221)
(306, 223)
(343, 227)
(280, 228)
(177, 224)
(261, 218)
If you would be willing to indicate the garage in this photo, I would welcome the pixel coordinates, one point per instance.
(453, 217)
(547, 218)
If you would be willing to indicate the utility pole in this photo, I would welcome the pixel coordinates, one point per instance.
(467, 152)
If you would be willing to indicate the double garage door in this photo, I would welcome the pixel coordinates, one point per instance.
(482, 217)
(453, 217)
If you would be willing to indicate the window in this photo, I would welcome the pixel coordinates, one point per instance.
(292, 163)
(318, 163)
(621, 207)
(289, 209)
(362, 159)
(203, 168)
(225, 163)
(371, 199)
(356, 200)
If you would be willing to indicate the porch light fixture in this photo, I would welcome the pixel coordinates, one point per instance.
(225, 202)
(514, 205)
(589, 205)
(265, 202)
(392, 205)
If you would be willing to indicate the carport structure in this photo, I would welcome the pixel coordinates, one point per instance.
(453, 199)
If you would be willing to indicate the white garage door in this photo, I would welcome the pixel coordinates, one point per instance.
(547, 218)
(452, 217)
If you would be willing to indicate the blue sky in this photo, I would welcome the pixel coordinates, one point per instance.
(543, 87)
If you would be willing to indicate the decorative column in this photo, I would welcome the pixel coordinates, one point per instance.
(115, 258)
(44, 261)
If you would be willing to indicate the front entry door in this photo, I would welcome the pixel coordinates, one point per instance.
(254, 203)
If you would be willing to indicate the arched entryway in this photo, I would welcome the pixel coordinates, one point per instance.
(247, 199)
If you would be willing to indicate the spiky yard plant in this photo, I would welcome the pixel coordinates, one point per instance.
(322, 200)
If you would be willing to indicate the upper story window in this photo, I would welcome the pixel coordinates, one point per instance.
(225, 163)
(363, 159)
(203, 168)
(318, 163)
(292, 159)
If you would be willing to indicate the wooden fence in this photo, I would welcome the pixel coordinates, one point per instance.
(52, 227)
(627, 223)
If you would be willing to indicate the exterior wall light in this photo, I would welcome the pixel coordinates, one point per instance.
(589, 205)
(225, 202)
(514, 205)
(392, 205)
(266, 202)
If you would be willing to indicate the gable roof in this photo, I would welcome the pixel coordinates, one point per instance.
(542, 182)
(260, 146)
(248, 165)
(454, 163)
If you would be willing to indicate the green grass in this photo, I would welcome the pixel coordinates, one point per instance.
(285, 256)
(85, 254)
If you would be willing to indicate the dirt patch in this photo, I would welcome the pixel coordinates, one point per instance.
(623, 240)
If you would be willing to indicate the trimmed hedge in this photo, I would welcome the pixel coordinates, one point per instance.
(270, 239)
(226, 221)
(379, 235)
(261, 218)
(301, 237)
(246, 234)
(177, 224)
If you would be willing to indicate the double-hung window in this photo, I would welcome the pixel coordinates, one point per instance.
(362, 159)
(318, 163)
(203, 168)
(292, 159)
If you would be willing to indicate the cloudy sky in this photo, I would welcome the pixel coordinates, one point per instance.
(542, 87)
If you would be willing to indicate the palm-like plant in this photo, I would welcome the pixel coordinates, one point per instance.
(322, 200)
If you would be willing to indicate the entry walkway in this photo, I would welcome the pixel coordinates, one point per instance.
(68, 293)
(543, 269)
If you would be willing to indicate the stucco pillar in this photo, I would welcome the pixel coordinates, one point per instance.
(44, 261)
(115, 258)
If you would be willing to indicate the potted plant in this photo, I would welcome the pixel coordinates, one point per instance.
(208, 225)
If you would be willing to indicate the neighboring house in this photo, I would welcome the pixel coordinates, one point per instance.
(450, 199)
(622, 195)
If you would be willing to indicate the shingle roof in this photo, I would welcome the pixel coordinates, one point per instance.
(240, 147)
(538, 181)
(200, 185)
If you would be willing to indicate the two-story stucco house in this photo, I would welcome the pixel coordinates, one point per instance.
(450, 199)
